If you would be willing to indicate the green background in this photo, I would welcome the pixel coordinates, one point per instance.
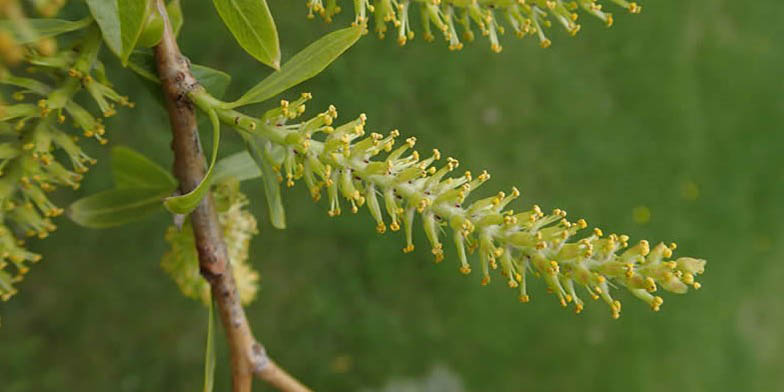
(687, 96)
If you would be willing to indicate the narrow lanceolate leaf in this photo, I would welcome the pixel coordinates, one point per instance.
(186, 203)
(105, 14)
(251, 23)
(256, 148)
(209, 352)
(304, 65)
(117, 206)
(239, 166)
(133, 170)
(44, 28)
(133, 15)
(175, 15)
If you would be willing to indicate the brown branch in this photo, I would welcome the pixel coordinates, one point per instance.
(248, 356)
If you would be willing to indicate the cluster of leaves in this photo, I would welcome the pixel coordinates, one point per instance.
(524, 17)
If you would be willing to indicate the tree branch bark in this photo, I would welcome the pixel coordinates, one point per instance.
(248, 356)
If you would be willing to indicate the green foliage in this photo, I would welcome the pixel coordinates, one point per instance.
(140, 187)
(261, 152)
(254, 29)
(105, 13)
(131, 169)
(43, 28)
(133, 16)
(239, 166)
(117, 207)
(184, 204)
(304, 65)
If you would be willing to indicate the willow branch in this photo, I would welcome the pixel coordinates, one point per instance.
(248, 356)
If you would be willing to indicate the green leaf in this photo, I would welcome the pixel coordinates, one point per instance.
(240, 166)
(186, 203)
(209, 352)
(133, 170)
(43, 28)
(133, 15)
(303, 66)
(117, 206)
(175, 16)
(254, 29)
(216, 82)
(105, 14)
(269, 178)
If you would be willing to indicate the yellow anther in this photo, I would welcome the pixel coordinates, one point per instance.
(408, 249)
(518, 277)
(394, 226)
(485, 279)
(656, 303)
(578, 308)
(629, 270)
(696, 285)
(597, 232)
(465, 270)
(650, 284)
(381, 228)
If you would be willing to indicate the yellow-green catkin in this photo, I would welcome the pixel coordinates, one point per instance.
(491, 17)
(181, 262)
(397, 185)
(43, 131)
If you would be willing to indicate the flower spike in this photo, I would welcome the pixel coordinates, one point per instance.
(366, 168)
(523, 17)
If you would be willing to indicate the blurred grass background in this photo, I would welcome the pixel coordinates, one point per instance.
(677, 111)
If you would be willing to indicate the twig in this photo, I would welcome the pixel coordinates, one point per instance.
(248, 356)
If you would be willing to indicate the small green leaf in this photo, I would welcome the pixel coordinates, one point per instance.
(269, 178)
(175, 15)
(209, 352)
(117, 206)
(214, 81)
(105, 14)
(251, 23)
(142, 61)
(133, 170)
(240, 166)
(44, 28)
(133, 16)
(186, 203)
(304, 65)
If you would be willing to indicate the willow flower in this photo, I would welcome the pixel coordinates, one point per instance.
(491, 17)
(33, 129)
(397, 184)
